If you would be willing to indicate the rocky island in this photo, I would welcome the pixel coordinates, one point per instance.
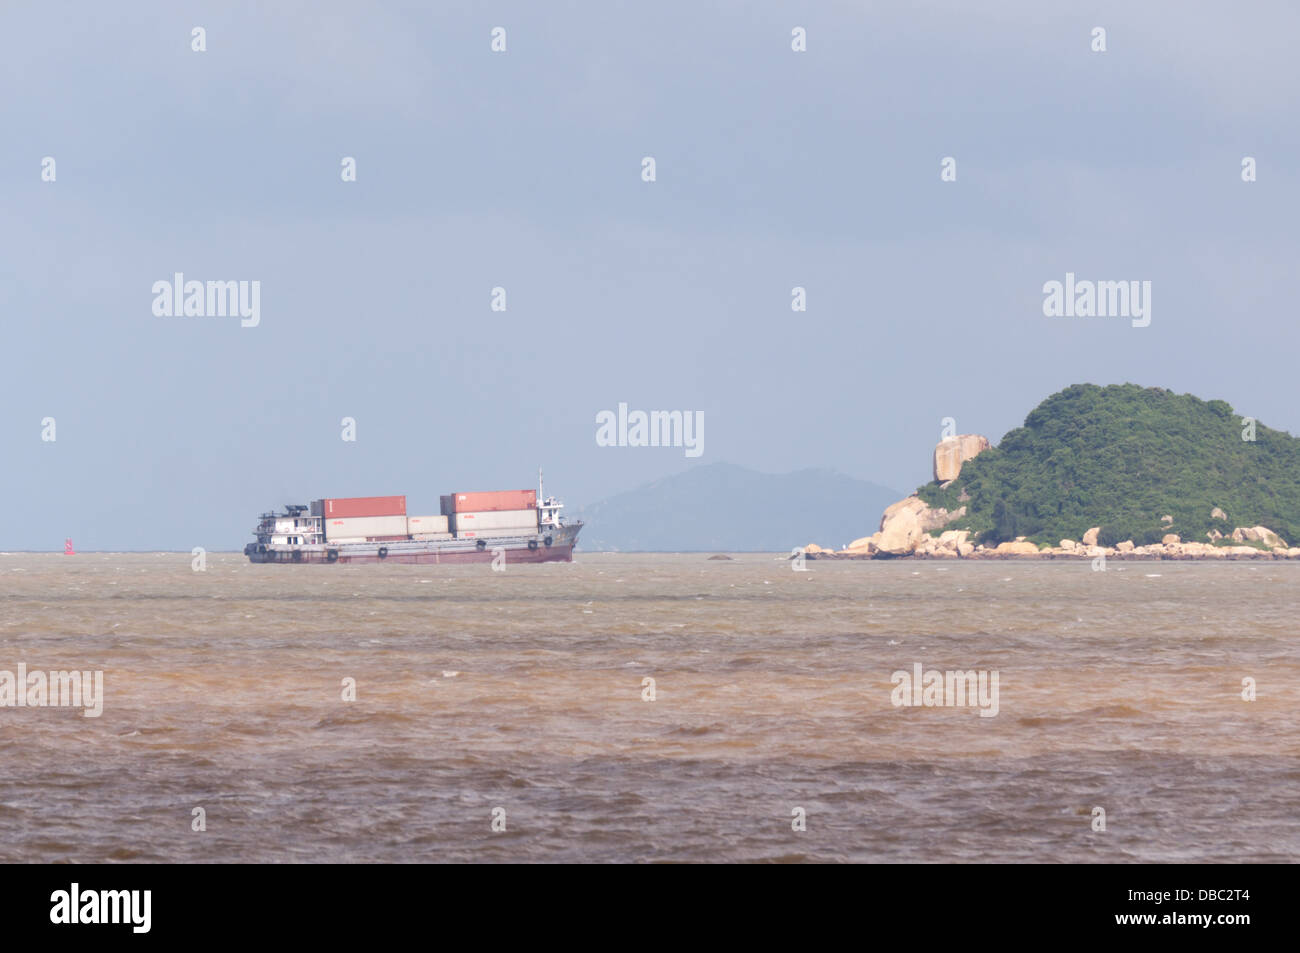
(1122, 472)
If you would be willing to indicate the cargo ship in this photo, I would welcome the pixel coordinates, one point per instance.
(513, 526)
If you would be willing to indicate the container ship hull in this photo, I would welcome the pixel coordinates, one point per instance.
(554, 546)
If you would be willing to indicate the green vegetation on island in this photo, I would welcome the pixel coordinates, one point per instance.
(1121, 457)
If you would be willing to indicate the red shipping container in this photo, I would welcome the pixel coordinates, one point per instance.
(494, 501)
(348, 507)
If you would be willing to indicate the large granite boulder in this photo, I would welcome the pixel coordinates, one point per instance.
(905, 525)
(952, 452)
(1258, 534)
(1017, 547)
(899, 533)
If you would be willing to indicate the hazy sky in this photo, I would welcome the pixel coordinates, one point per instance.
(522, 169)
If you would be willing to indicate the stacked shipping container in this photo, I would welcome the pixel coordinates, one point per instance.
(360, 528)
(348, 507)
(501, 512)
(496, 523)
(492, 502)
(428, 527)
(498, 513)
(359, 518)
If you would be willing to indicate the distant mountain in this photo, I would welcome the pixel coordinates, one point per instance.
(1122, 457)
(720, 507)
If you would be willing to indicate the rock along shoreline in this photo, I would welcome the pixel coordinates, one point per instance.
(1221, 554)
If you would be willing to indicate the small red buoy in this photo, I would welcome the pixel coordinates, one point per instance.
(67, 547)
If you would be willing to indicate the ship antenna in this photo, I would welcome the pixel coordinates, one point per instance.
(540, 495)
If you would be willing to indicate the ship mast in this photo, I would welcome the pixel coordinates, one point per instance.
(548, 511)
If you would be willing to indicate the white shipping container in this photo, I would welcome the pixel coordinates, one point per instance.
(361, 527)
(520, 521)
(419, 525)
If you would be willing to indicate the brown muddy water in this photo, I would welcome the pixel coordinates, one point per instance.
(523, 690)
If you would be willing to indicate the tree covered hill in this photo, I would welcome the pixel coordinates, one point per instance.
(1121, 457)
